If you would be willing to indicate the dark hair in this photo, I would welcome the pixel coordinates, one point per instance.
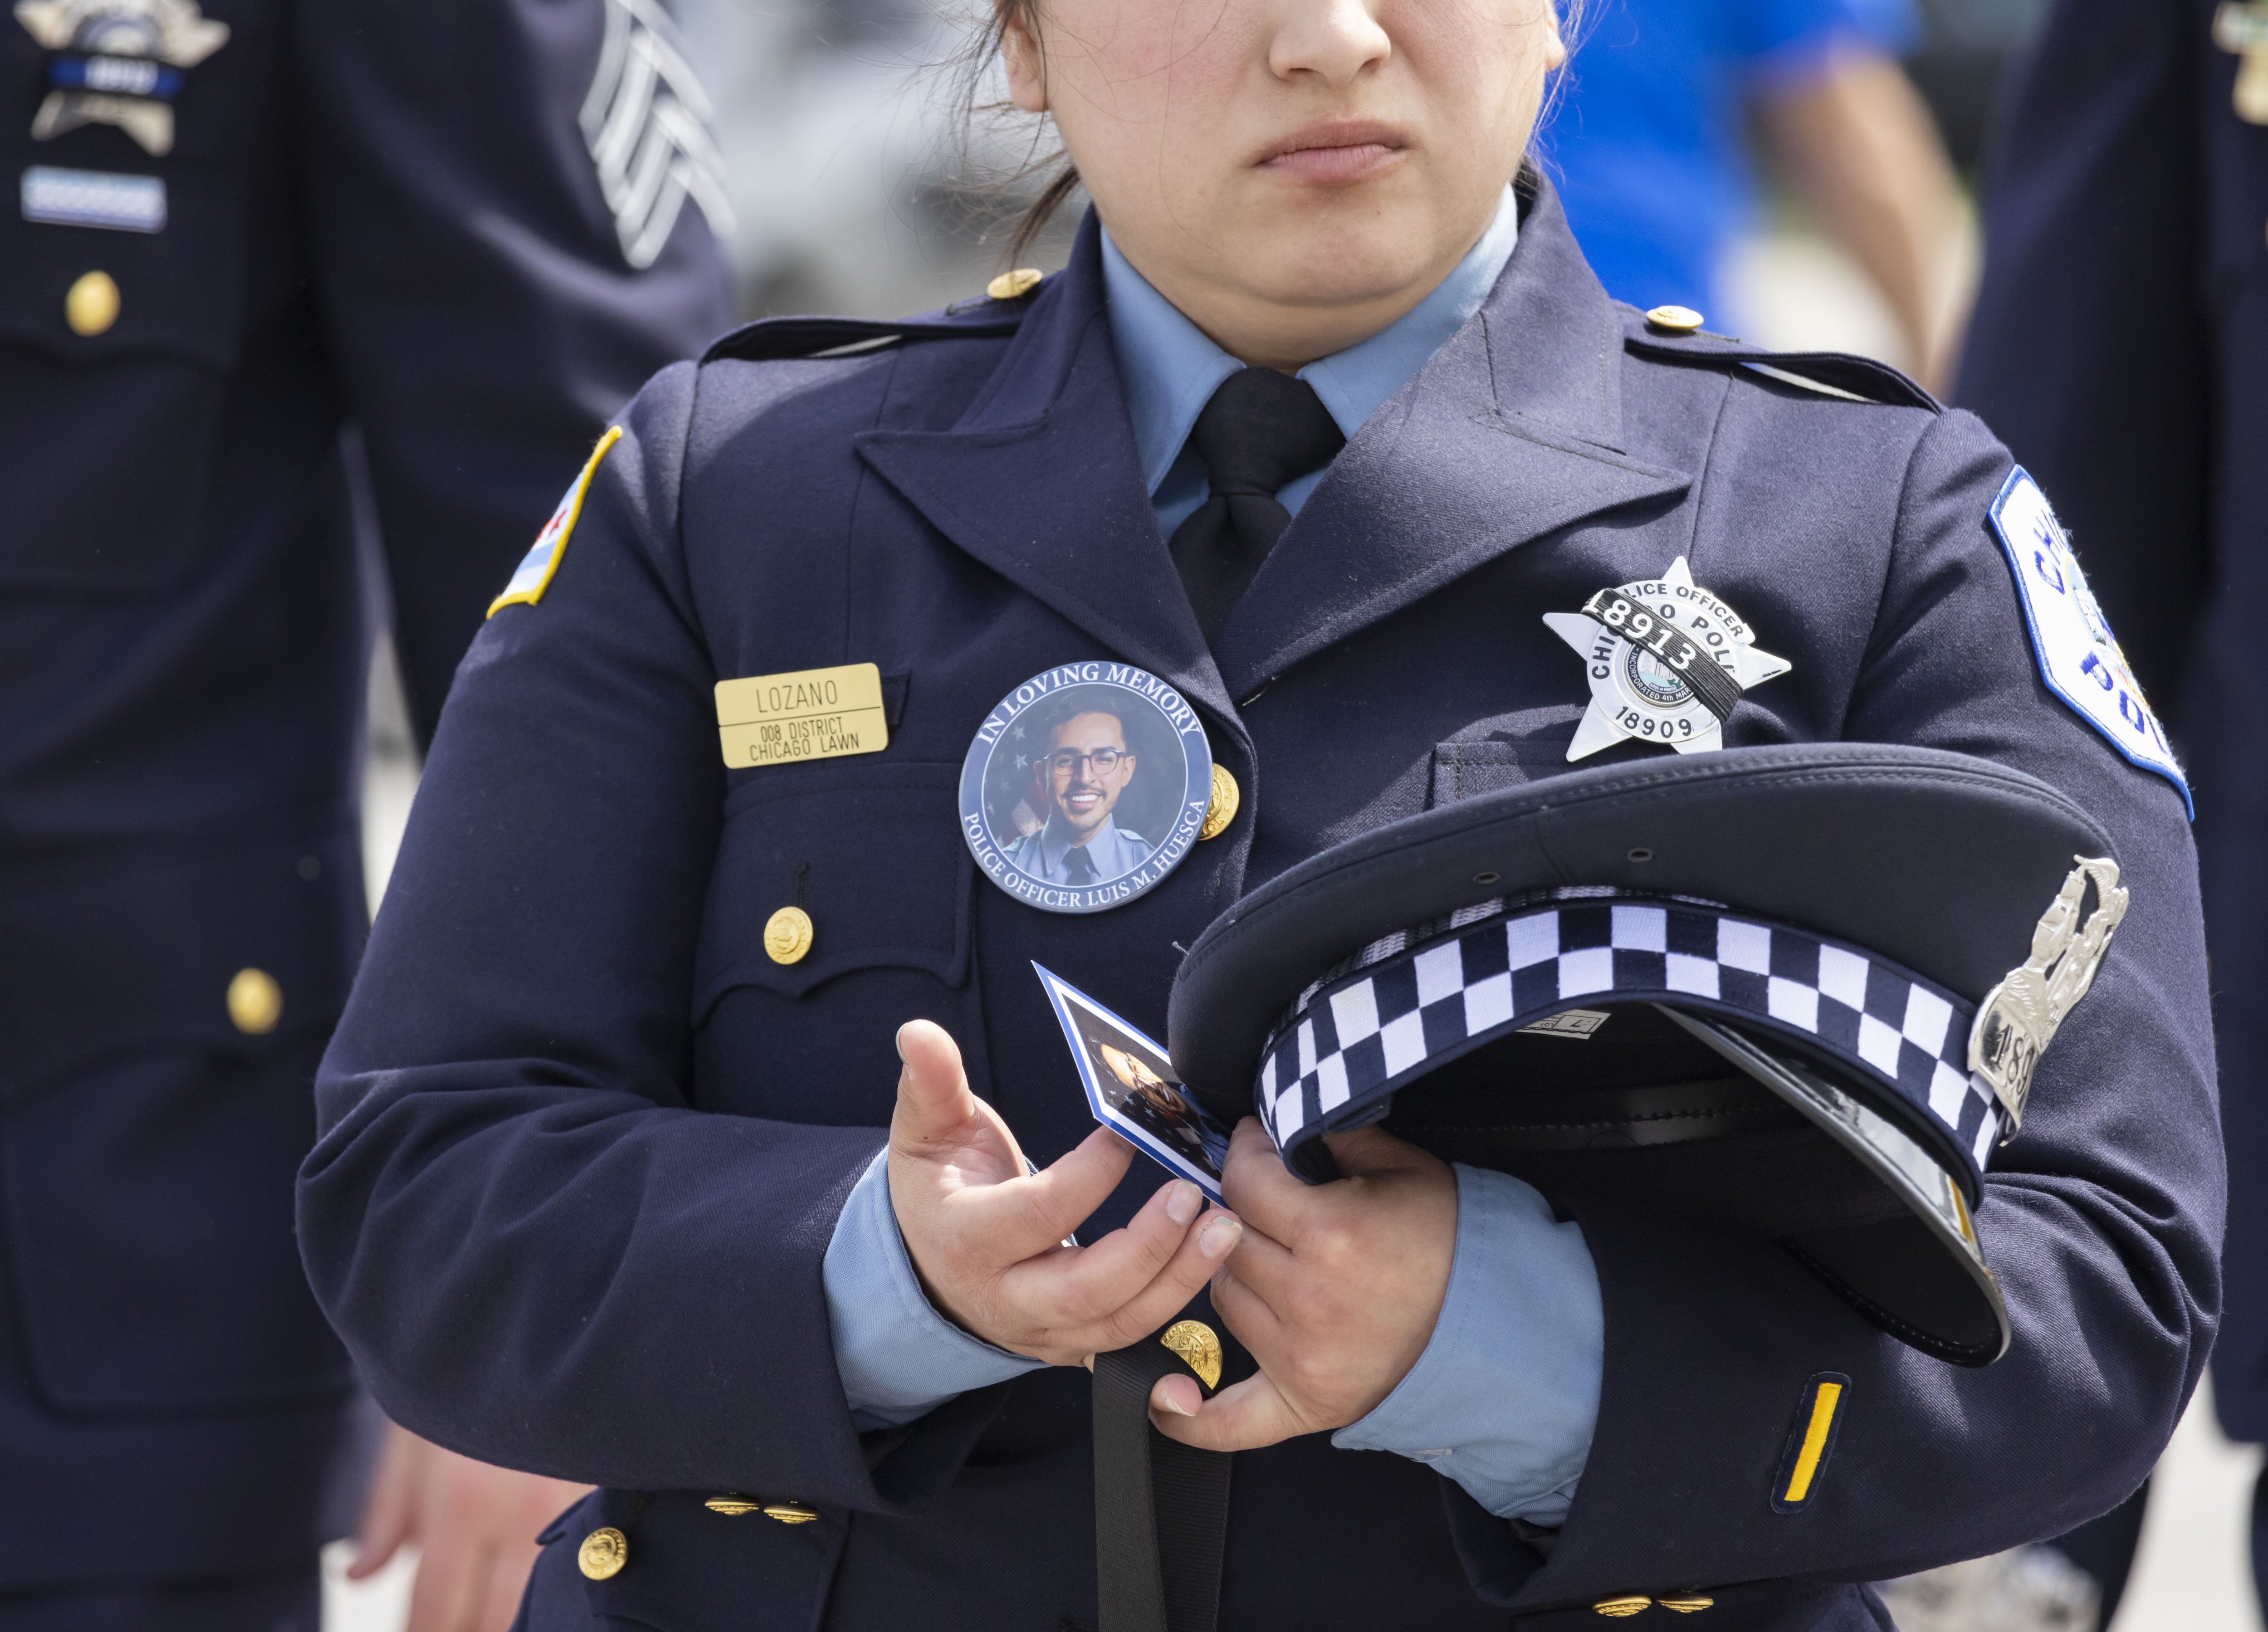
(1062, 175)
(971, 67)
(1064, 713)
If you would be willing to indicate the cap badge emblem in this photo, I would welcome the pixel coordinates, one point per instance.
(1667, 660)
(2020, 1016)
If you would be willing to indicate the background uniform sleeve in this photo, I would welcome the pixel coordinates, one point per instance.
(477, 288)
(2088, 352)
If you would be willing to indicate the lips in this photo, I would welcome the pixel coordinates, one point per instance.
(1335, 152)
(1080, 801)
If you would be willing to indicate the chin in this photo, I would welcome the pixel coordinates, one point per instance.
(1343, 250)
(1335, 269)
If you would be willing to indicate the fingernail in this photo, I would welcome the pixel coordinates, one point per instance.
(898, 1041)
(1169, 1399)
(1183, 1200)
(1218, 1238)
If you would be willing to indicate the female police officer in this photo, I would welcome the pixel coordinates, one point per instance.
(599, 1191)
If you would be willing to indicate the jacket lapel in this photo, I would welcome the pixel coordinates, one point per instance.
(1511, 432)
(1040, 481)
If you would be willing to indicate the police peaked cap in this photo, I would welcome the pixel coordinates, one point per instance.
(1740, 984)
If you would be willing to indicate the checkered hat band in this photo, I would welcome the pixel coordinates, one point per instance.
(1351, 1042)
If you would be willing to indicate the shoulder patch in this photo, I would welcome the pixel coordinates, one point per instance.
(1811, 1441)
(535, 572)
(2079, 657)
(645, 121)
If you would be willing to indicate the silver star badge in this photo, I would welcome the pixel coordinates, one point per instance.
(117, 71)
(1667, 661)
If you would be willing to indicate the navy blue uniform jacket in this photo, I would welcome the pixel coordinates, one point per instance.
(585, 1143)
(379, 213)
(2128, 203)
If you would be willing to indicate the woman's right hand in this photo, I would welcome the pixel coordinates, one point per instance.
(986, 1237)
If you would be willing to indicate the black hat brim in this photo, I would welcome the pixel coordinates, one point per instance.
(1920, 1274)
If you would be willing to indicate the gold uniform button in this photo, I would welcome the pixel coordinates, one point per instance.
(1676, 319)
(733, 1506)
(1687, 1603)
(790, 1512)
(92, 305)
(1226, 798)
(1199, 1348)
(603, 1554)
(787, 935)
(1621, 1608)
(1015, 286)
(255, 1002)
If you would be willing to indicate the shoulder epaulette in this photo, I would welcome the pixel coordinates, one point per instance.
(772, 340)
(1829, 373)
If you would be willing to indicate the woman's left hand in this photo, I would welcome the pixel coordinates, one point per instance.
(1335, 1289)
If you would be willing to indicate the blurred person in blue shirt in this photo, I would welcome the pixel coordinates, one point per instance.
(1652, 157)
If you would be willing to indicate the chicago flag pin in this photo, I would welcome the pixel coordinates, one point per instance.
(1667, 661)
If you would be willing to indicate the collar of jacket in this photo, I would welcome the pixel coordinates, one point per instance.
(1511, 432)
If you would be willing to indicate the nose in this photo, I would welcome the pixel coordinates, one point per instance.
(1333, 40)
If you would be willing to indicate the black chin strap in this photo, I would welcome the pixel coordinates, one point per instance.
(1161, 1507)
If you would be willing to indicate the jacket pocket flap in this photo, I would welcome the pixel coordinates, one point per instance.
(1464, 770)
(105, 953)
(873, 852)
(178, 289)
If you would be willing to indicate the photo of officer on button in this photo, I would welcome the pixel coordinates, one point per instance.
(1081, 777)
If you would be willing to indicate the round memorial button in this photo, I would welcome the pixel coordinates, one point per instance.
(1085, 786)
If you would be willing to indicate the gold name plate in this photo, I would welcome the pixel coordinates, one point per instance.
(813, 714)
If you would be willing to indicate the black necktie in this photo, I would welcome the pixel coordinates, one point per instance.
(1261, 430)
(1077, 868)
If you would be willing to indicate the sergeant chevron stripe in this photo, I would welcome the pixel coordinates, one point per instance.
(645, 121)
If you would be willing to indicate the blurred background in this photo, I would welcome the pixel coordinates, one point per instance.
(861, 189)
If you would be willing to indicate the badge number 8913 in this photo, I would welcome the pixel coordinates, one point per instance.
(1666, 660)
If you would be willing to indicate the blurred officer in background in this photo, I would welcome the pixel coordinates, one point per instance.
(1650, 147)
(462, 227)
(2120, 345)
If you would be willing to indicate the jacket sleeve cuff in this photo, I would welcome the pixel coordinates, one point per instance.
(898, 1358)
(1505, 1396)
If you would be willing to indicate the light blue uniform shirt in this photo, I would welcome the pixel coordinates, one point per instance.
(1171, 370)
(1112, 853)
(1505, 1397)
